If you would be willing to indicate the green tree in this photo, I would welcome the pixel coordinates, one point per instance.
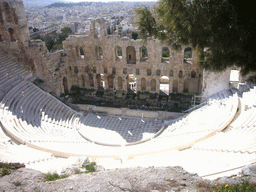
(223, 31)
(49, 42)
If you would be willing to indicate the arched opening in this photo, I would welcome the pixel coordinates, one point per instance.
(143, 84)
(171, 73)
(113, 71)
(180, 74)
(65, 85)
(118, 53)
(158, 72)
(186, 86)
(99, 52)
(110, 81)
(81, 81)
(193, 74)
(81, 50)
(164, 85)
(7, 12)
(148, 72)
(143, 54)
(131, 55)
(187, 55)
(175, 86)
(131, 83)
(165, 55)
(12, 35)
(76, 70)
(101, 81)
(97, 29)
(120, 82)
(91, 80)
(153, 85)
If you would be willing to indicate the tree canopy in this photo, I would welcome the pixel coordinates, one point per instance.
(223, 31)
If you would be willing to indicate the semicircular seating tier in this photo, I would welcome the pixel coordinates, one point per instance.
(34, 117)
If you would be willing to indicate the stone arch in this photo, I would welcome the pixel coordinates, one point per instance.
(143, 84)
(164, 85)
(158, 72)
(180, 74)
(7, 12)
(143, 54)
(186, 86)
(81, 52)
(91, 80)
(153, 85)
(98, 52)
(110, 81)
(165, 55)
(120, 82)
(175, 86)
(132, 83)
(193, 74)
(65, 85)
(188, 53)
(12, 34)
(101, 81)
(97, 29)
(118, 53)
(171, 73)
(131, 55)
(81, 81)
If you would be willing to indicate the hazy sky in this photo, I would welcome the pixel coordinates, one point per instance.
(106, 0)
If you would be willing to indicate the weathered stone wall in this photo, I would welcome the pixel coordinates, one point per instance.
(115, 71)
(214, 82)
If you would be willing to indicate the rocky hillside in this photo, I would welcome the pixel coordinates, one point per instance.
(154, 179)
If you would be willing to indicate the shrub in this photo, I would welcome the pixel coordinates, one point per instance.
(55, 176)
(5, 171)
(241, 187)
(90, 168)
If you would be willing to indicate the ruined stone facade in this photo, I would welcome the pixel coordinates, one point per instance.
(101, 61)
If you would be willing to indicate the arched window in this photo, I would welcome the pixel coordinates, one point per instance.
(180, 74)
(148, 72)
(143, 84)
(75, 70)
(193, 74)
(81, 50)
(113, 70)
(12, 35)
(99, 52)
(188, 53)
(165, 55)
(131, 55)
(153, 85)
(158, 72)
(120, 83)
(118, 53)
(143, 54)
(171, 73)
(91, 80)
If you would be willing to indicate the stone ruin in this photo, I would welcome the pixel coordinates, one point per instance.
(100, 61)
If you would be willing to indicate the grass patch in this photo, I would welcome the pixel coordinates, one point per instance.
(241, 187)
(90, 168)
(55, 176)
